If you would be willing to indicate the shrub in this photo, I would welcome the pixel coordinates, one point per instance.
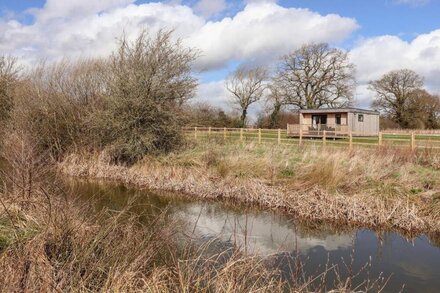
(205, 115)
(129, 104)
(52, 104)
(150, 81)
(8, 81)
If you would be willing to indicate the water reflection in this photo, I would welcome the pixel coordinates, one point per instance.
(415, 264)
(260, 232)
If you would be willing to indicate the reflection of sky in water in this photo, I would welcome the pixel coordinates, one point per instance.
(259, 230)
(415, 264)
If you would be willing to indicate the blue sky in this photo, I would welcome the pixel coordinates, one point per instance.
(379, 35)
(379, 17)
(376, 17)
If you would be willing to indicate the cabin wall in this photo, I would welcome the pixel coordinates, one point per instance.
(331, 118)
(344, 119)
(307, 119)
(370, 125)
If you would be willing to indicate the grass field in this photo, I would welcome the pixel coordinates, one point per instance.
(274, 135)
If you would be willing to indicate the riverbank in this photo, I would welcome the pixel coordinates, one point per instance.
(55, 237)
(386, 188)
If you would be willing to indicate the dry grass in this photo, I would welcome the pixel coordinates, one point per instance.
(50, 242)
(379, 189)
(58, 246)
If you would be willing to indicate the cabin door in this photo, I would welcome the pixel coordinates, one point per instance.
(319, 121)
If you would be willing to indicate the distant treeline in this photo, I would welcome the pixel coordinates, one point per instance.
(318, 76)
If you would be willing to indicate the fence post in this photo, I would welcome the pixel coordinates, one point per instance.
(413, 141)
(259, 135)
(300, 136)
(209, 131)
(380, 138)
(224, 133)
(324, 137)
(279, 136)
(195, 132)
(350, 137)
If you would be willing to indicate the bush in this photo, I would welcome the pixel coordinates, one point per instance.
(52, 105)
(150, 81)
(205, 115)
(129, 104)
(8, 81)
(277, 120)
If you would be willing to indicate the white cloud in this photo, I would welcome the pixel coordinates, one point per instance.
(56, 8)
(376, 56)
(261, 233)
(209, 8)
(412, 2)
(89, 27)
(214, 93)
(265, 30)
(261, 32)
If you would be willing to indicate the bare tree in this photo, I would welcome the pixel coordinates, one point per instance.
(276, 101)
(45, 111)
(394, 92)
(151, 78)
(424, 110)
(246, 86)
(8, 79)
(316, 76)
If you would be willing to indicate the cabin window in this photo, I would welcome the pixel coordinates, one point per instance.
(338, 119)
(319, 119)
(361, 118)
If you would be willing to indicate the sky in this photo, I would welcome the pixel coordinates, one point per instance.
(379, 35)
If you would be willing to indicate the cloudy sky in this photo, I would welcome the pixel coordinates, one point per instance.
(380, 35)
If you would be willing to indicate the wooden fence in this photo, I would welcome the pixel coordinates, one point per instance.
(413, 140)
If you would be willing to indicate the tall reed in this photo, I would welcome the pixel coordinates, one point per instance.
(50, 241)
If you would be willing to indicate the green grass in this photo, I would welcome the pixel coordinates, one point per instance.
(272, 136)
(10, 234)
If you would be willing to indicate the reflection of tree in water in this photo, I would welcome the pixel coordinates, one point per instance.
(112, 196)
(228, 228)
(321, 229)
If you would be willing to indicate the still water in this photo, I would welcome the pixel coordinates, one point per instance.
(414, 264)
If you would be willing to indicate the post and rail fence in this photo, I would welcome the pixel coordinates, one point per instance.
(402, 139)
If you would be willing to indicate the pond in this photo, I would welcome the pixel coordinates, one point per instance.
(412, 265)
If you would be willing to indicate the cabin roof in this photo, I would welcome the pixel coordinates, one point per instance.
(338, 110)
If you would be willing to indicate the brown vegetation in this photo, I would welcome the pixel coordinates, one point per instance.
(51, 242)
(315, 76)
(129, 104)
(202, 114)
(388, 188)
(276, 119)
(8, 81)
(119, 118)
(400, 97)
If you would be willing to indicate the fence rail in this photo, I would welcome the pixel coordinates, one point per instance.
(413, 139)
(317, 129)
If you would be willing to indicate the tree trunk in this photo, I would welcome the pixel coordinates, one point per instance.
(274, 116)
(243, 118)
